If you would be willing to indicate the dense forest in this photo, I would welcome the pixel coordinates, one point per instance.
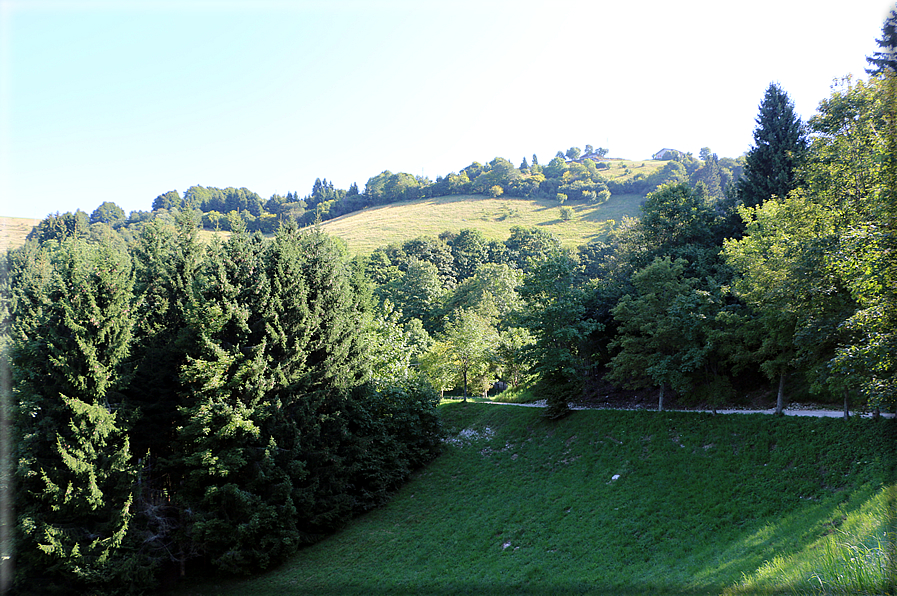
(180, 404)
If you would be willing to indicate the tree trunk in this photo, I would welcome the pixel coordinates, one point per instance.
(780, 398)
(465, 386)
(660, 401)
(846, 411)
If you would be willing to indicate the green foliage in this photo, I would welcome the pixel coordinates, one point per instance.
(60, 227)
(415, 293)
(852, 177)
(469, 341)
(654, 329)
(491, 292)
(169, 201)
(885, 59)
(560, 324)
(780, 145)
(71, 333)
(525, 244)
(469, 250)
(108, 213)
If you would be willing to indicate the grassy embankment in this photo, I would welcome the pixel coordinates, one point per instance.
(617, 502)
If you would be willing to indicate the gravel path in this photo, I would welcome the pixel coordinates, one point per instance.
(797, 410)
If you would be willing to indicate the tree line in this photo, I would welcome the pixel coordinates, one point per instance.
(573, 176)
(181, 403)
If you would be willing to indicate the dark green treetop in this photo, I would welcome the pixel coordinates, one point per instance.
(780, 146)
(885, 59)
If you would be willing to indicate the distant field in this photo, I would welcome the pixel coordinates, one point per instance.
(13, 231)
(369, 229)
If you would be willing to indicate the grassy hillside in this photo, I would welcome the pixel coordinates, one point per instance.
(13, 231)
(614, 502)
(366, 230)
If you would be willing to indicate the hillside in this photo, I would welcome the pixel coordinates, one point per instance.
(615, 502)
(366, 230)
(13, 231)
(493, 217)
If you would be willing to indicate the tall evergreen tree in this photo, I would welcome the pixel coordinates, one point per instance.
(780, 146)
(167, 263)
(71, 308)
(885, 59)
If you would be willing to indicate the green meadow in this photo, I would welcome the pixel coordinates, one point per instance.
(618, 502)
(366, 230)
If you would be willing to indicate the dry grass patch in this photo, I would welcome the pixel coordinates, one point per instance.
(14, 230)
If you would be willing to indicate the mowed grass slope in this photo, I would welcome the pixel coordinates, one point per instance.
(14, 230)
(609, 502)
(363, 231)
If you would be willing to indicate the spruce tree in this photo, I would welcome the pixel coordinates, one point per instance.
(70, 336)
(263, 439)
(239, 516)
(780, 146)
(167, 261)
(885, 59)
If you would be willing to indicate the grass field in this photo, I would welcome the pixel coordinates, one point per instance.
(13, 231)
(369, 229)
(616, 502)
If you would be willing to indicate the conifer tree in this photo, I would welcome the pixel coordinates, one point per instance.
(780, 146)
(264, 427)
(167, 263)
(71, 334)
(885, 59)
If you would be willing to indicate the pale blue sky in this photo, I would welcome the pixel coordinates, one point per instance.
(122, 101)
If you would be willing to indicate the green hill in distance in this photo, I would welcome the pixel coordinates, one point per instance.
(363, 231)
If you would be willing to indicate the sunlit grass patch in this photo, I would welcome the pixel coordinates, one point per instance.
(855, 553)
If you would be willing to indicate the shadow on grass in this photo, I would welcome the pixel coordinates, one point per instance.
(491, 589)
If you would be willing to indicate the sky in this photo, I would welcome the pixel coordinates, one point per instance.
(123, 101)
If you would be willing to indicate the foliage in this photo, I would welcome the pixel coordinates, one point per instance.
(267, 398)
(557, 318)
(70, 337)
(467, 344)
(780, 145)
(885, 59)
(655, 334)
(108, 213)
